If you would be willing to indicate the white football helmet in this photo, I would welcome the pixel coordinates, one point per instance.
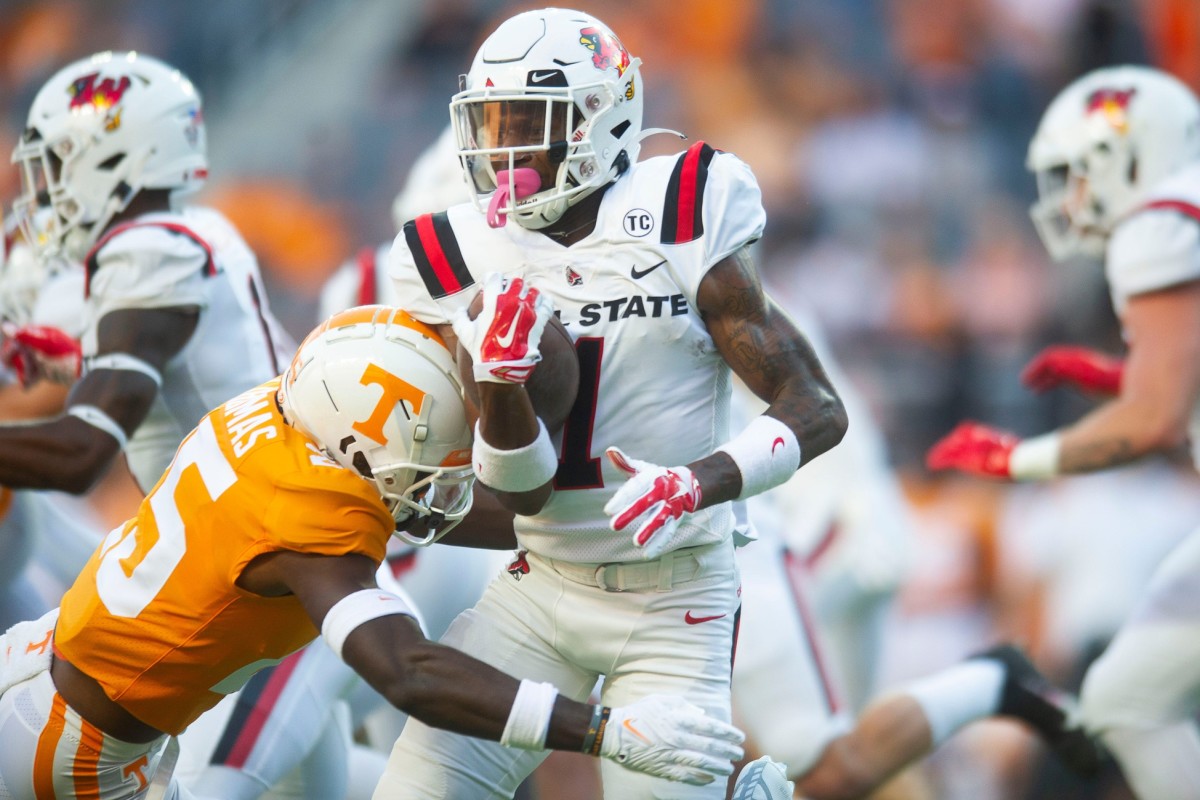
(563, 84)
(379, 393)
(100, 131)
(1103, 142)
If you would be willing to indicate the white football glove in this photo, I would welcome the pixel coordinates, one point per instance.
(668, 737)
(654, 499)
(503, 341)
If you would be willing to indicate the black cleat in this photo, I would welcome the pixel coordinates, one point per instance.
(1028, 696)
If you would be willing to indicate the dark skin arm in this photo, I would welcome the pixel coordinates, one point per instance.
(68, 454)
(768, 352)
(489, 526)
(438, 685)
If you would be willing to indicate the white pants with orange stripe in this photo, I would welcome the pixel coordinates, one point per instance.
(48, 752)
(667, 632)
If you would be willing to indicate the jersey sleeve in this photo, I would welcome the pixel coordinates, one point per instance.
(733, 210)
(713, 201)
(328, 514)
(149, 267)
(1153, 250)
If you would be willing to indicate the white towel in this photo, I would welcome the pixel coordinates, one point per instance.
(25, 650)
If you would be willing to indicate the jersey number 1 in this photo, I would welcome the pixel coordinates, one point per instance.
(577, 468)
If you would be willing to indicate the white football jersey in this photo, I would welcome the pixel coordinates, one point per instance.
(192, 258)
(651, 379)
(1158, 246)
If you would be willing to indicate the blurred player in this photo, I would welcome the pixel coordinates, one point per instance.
(628, 567)
(36, 526)
(267, 528)
(176, 319)
(787, 691)
(1117, 159)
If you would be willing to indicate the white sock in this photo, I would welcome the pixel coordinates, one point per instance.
(958, 695)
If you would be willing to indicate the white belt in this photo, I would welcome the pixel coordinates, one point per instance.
(670, 569)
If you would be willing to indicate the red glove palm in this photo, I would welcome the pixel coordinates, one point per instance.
(974, 448)
(37, 352)
(1085, 369)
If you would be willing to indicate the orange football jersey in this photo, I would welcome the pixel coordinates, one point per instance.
(156, 616)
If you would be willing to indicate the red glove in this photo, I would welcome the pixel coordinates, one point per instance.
(40, 352)
(974, 448)
(1085, 369)
(654, 496)
(504, 339)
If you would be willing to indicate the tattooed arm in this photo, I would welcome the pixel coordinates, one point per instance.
(1159, 388)
(766, 350)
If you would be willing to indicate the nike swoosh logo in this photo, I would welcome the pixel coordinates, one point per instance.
(690, 620)
(541, 77)
(505, 339)
(778, 442)
(629, 727)
(641, 273)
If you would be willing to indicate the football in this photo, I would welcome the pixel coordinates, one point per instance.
(555, 380)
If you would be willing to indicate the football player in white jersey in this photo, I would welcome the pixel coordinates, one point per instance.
(45, 537)
(627, 569)
(175, 316)
(787, 695)
(1117, 158)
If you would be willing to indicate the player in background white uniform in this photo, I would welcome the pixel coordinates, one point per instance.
(45, 537)
(647, 265)
(847, 531)
(1117, 158)
(175, 316)
(787, 694)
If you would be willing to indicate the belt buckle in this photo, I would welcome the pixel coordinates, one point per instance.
(602, 574)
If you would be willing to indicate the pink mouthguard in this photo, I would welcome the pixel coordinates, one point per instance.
(526, 181)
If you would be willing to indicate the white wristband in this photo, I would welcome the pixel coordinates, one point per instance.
(356, 608)
(529, 720)
(766, 453)
(101, 421)
(1035, 459)
(124, 361)
(517, 470)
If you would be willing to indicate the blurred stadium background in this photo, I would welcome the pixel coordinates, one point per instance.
(889, 139)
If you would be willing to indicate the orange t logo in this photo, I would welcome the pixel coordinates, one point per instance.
(135, 769)
(41, 646)
(394, 390)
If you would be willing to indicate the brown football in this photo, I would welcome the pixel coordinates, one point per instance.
(555, 380)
